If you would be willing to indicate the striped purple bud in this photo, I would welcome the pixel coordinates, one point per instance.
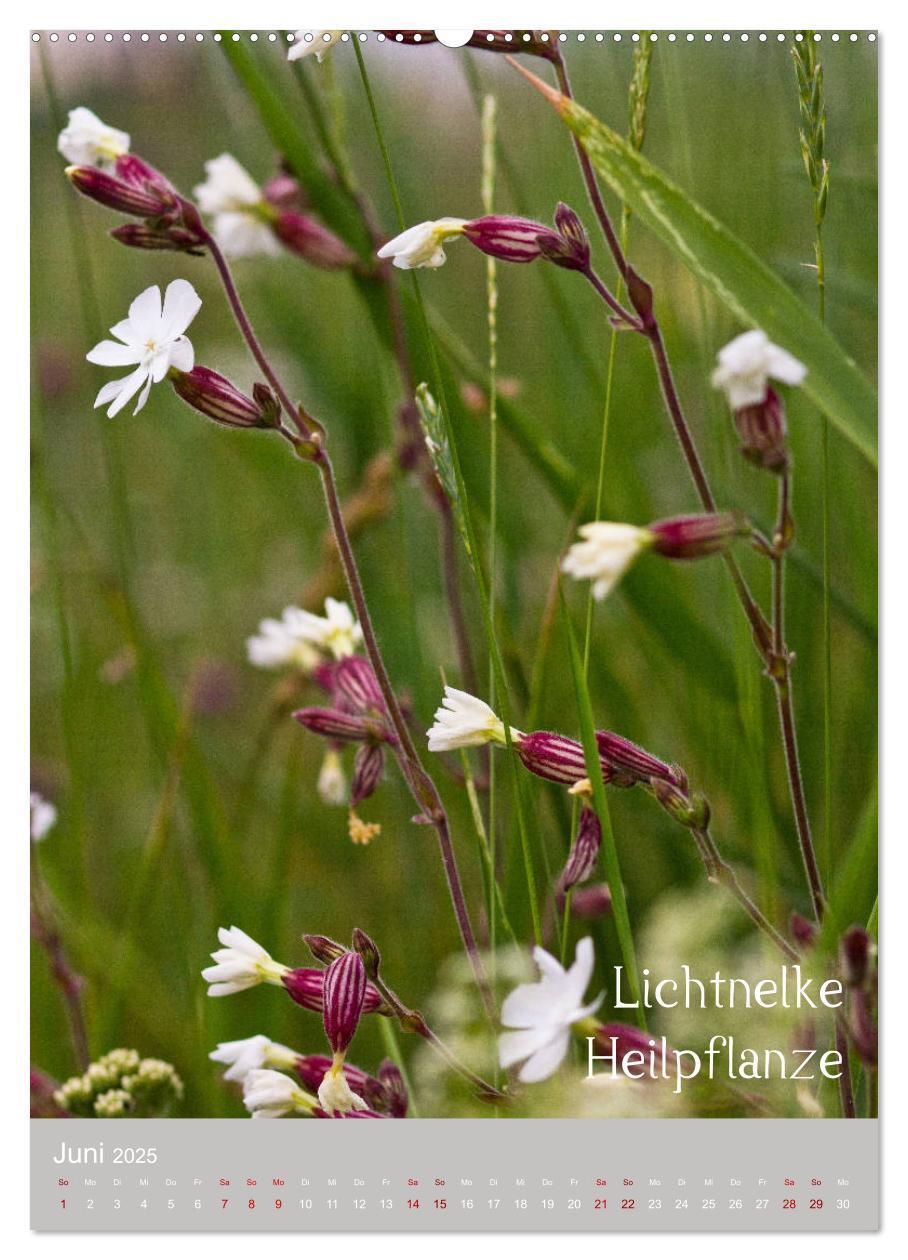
(312, 241)
(133, 196)
(323, 948)
(592, 902)
(569, 245)
(143, 236)
(335, 724)
(507, 237)
(629, 761)
(306, 986)
(582, 857)
(762, 432)
(368, 765)
(555, 757)
(690, 537)
(397, 1098)
(345, 992)
(364, 945)
(355, 687)
(218, 399)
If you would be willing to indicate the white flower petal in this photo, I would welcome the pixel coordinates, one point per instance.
(182, 355)
(181, 305)
(128, 388)
(143, 397)
(514, 1047)
(112, 354)
(145, 314)
(545, 1061)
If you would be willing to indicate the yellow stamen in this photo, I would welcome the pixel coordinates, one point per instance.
(362, 832)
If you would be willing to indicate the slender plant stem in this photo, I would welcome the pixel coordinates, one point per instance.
(720, 872)
(46, 932)
(420, 783)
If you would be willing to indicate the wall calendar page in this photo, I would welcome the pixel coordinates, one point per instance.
(454, 623)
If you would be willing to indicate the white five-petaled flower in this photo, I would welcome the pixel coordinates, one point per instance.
(280, 645)
(268, 1095)
(241, 964)
(320, 43)
(86, 141)
(332, 782)
(422, 245)
(747, 364)
(152, 336)
(463, 721)
(43, 815)
(235, 201)
(338, 632)
(250, 1054)
(543, 1013)
(606, 553)
(336, 1096)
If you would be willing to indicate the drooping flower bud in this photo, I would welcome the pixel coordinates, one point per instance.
(507, 236)
(690, 537)
(345, 992)
(629, 760)
(143, 236)
(218, 399)
(306, 986)
(311, 240)
(355, 687)
(569, 247)
(368, 765)
(591, 902)
(135, 188)
(397, 1098)
(616, 1040)
(854, 956)
(763, 432)
(554, 757)
(364, 945)
(128, 196)
(335, 724)
(583, 855)
(690, 809)
(324, 948)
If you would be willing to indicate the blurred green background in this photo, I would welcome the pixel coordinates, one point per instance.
(160, 542)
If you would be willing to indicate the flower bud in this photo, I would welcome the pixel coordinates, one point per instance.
(862, 1027)
(507, 236)
(335, 724)
(629, 761)
(554, 757)
(803, 931)
(127, 196)
(368, 765)
(689, 809)
(368, 952)
(306, 986)
(689, 537)
(592, 902)
(854, 956)
(569, 247)
(312, 241)
(143, 236)
(397, 1098)
(218, 399)
(283, 191)
(762, 432)
(355, 687)
(345, 992)
(582, 857)
(324, 948)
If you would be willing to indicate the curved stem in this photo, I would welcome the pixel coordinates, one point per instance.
(420, 783)
(720, 872)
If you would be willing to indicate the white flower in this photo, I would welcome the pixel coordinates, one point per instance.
(421, 246)
(86, 141)
(746, 365)
(151, 336)
(336, 1096)
(544, 1013)
(240, 965)
(43, 815)
(463, 721)
(251, 1054)
(268, 1095)
(332, 782)
(606, 553)
(338, 632)
(235, 200)
(279, 645)
(320, 43)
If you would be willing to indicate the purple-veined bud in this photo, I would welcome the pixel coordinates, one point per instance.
(311, 1068)
(317, 244)
(143, 236)
(569, 246)
(364, 945)
(111, 190)
(854, 956)
(592, 902)
(690, 809)
(306, 985)
(627, 759)
(616, 1040)
(355, 687)
(762, 432)
(507, 236)
(398, 1099)
(335, 724)
(324, 948)
(803, 931)
(689, 537)
(345, 992)
(368, 765)
(218, 399)
(582, 857)
(554, 757)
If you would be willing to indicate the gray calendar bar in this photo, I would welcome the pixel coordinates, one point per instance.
(448, 1175)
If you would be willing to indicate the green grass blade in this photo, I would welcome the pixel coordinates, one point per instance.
(750, 290)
